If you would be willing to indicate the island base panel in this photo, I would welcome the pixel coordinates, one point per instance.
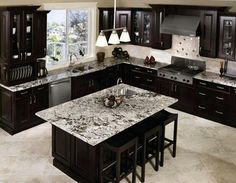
(74, 157)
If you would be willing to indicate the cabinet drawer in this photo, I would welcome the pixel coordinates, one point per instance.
(41, 88)
(221, 87)
(149, 80)
(23, 93)
(144, 70)
(214, 86)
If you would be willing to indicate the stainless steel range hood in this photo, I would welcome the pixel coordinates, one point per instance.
(180, 25)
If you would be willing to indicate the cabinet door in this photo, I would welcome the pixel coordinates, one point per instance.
(146, 28)
(28, 32)
(123, 19)
(16, 41)
(40, 102)
(23, 111)
(165, 87)
(106, 20)
(227, 37)
(40, 29)
(160, 41)
(136, 27)
(6, 107)
(208, 33)
(61, 146)
(233, 107)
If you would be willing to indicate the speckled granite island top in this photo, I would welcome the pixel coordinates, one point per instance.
(89, 120)
(215, 78)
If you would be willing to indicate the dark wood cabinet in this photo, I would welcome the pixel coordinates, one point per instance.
(40, 36)
(212, 101)
(19, 108)
(86, 84)
(208, 37)
(183, 92)
(227, 37)
(159, 40)
(143, 78)
(106, 19)
(75, 157)
(141, 33)
(232, 109)
(110, 75)
(17, 30)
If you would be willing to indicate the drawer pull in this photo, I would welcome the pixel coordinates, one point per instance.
(149, 80)
(219, 112)
(149, 71)
(136, 68)
(200, 107)
(40, 88)
(220, 98)
(24, 93)
(220, 87)
(201, 83)
(202, 94)
(136, 77)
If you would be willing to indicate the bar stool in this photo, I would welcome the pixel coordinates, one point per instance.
(147, 133)
(164, 118)
(121, 144)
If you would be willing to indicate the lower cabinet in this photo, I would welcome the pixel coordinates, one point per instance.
(19, 108)
(212, 101)
(233, 107)
(183, 92)
(74, 157)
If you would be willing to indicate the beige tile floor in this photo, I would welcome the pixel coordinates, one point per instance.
(206, 153)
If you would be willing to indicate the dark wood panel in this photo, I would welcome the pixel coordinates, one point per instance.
(61, 148)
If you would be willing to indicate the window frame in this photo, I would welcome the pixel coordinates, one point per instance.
(92, 25)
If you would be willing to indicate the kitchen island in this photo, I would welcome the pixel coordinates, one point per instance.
(81, 125)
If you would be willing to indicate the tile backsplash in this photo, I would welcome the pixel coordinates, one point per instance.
(183, 46)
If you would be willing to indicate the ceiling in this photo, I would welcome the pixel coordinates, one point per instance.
(131, 3)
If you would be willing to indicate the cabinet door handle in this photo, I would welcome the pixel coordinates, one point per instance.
(149, 80)
(136, 77)
(201, 83)
(136, 68)
(220, 98)
(40, 88)
(35, 99)
(30, 100)
(220, 87)
(24, 93)
(219, 112)
(200, 107)
(202, 94)
(149, 71)
(25, 55)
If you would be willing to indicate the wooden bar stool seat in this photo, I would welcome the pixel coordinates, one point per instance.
(124, 148)
(164, 118)
(148, 133)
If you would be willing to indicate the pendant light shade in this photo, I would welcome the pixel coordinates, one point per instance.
(114, 38)
(125, 36)
(101, 40)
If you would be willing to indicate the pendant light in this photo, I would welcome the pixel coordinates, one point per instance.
(114, 38)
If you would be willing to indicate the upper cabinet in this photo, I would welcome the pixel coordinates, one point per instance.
(142, 27)
(106, 19)
(159, 40)
(16, 38)
(208, 36)
(227, 37)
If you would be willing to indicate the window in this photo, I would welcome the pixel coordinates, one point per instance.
(69, 36)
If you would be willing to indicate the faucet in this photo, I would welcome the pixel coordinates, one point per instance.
(119, 81)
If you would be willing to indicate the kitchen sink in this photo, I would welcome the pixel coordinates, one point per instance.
(81, 69)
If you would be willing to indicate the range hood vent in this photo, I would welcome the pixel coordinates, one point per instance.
(180, 25)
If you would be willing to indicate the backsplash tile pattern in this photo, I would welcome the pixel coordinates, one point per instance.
(183, 46)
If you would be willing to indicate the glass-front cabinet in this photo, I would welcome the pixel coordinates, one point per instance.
(21, 36)
(227, 37)
(142, 21)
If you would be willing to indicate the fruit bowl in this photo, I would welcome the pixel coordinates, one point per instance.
(112, 101)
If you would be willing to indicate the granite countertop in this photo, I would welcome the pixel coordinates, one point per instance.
(68, 72)
(215, 78)
(89, 120)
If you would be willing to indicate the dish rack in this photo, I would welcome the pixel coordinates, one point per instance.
(16, 75)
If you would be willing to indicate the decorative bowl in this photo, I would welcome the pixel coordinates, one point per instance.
(112, 101)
